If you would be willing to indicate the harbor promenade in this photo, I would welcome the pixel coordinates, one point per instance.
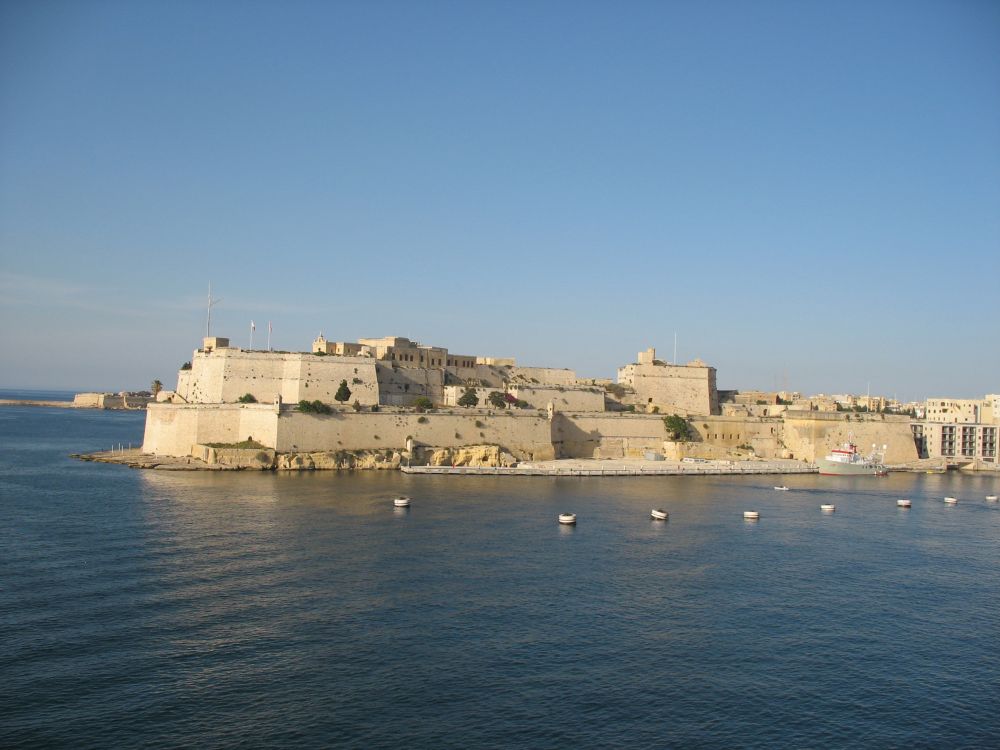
(619, 468)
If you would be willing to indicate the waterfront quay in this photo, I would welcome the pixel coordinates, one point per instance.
(612, 468)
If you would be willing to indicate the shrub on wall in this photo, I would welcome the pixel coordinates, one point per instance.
(313, 407)
(422, 404)
(247, 398)
(343, 392)
(677, 427)
(422, 420)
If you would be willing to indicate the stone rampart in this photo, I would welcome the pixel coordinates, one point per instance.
(224, 375)
(812, 435)
(527, 436)
(172, 429)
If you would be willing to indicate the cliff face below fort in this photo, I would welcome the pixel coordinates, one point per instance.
(264, 459)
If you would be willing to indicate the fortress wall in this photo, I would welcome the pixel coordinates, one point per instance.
(682, 390)
(183, 388)
(171, 429)
(811, 435)
(202, 384)
(588, 435)
(224, 375)
(311, 378)
(401, 385)
(526, 436)
(544, 375)
(563, 399)
(725, 433)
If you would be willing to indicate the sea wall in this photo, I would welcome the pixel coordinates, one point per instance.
(526, 436)
(172, 429)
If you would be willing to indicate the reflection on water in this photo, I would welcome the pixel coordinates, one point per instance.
(162, 608)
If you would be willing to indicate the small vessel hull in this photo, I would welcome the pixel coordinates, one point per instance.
(842, 468)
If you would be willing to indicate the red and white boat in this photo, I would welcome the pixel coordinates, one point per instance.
(846, 460)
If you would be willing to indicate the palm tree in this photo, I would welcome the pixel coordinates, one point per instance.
(157, 387)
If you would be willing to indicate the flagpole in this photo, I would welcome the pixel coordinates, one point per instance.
(269, 335)
(251, 335)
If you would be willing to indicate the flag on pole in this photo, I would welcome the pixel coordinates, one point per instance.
(252, 326)
(269, 335)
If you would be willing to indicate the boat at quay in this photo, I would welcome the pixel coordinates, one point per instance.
(846, 460)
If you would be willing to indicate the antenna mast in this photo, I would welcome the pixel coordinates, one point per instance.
(211, 303)
(675, 347)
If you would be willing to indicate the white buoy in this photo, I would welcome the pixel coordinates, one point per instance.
(751, 515)
(567, 518)
(903, 503)
(781, 488)
(828, 508)
(991, 498)
(950, 500)
(658, 515)
(401, 501)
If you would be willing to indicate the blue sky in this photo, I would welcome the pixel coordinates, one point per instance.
(808, 193)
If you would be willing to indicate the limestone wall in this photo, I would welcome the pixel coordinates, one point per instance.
(681, 389)
(562, 398)
(731, 433)
(224, 375)
(171, 429)
(527, 436)
(541, 375)
(811, 435)
(88, 400)
(606, 436)
(537, 397)
(399, 386)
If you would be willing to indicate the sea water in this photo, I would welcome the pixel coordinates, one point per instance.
(201, 609)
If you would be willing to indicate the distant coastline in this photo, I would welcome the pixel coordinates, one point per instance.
(36, 402)
(105, 400)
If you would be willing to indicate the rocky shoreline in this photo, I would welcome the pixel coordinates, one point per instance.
(209, 458)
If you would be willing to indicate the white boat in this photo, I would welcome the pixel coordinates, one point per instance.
(903, 503)
(751, 515)
(658, 515)
(846, 460)
(567, 518)
(991, 498)
(781, 488)
(828, 508)
(950, 500)
(401, 501)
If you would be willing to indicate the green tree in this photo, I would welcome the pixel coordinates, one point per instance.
(497, 399)
(469, 398)
(422, 403)
(156, 387)
(677, 427)
(343, 393)
(247, 398)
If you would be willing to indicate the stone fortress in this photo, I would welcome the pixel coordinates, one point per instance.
(404, 405)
